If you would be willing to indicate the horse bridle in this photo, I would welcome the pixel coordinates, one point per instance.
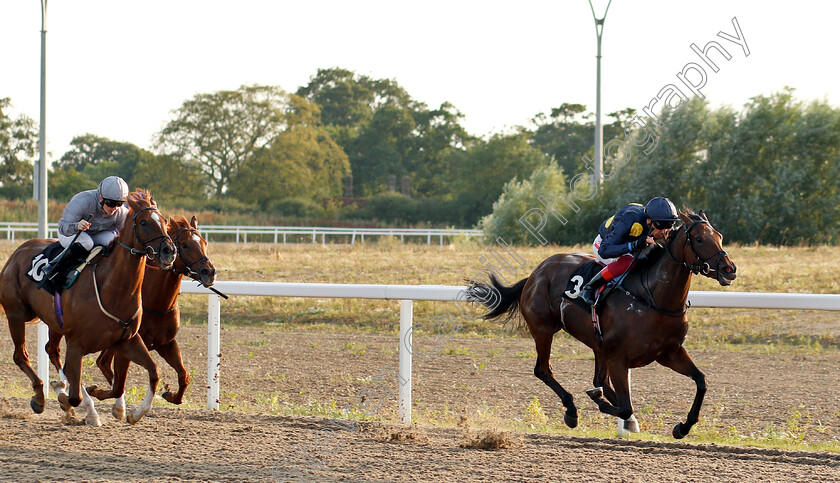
(148, 251)
(189, 271)
(704, 267)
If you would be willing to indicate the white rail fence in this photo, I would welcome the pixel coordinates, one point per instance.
(278, 234)
(407, 294)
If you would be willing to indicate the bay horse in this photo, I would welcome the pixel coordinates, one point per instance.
(161, 315)
(101, 310)
(644, 320)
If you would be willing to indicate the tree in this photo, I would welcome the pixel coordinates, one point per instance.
(168, 178)
(221, 131)
(304, 162)
(18, 146)
(385, 132)
(488, 166)
(96, 157)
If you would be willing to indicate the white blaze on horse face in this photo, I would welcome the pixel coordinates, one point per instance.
(196, 239)
(156, 217)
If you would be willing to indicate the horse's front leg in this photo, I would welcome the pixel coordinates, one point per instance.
(135, 350)
(117, 378)
(681, 362)
(619, 374)
(72, 371)
(171, 353)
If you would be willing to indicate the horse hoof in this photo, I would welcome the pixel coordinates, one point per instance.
(632, 424)
(93, 421)
(37, 408)
(570, 419)
(595, 393)
(131, 419)
(678, 431)
(58, 387)
(169, 397)
(118, 413)
(622, 431)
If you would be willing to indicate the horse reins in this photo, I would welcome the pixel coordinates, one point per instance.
(149, 252)
(188, 271)
(704, 267)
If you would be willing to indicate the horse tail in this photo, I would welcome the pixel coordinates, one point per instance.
(496, 297)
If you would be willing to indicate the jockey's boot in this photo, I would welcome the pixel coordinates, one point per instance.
(587, 294)
(76, 251)
(54, 267)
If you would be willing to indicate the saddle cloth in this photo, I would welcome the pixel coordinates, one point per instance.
(36, 270)
(579, 278)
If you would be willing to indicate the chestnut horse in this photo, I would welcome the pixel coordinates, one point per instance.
(161, 316)
(101, 310)
(643, 321)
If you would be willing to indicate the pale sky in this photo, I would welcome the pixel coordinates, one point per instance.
(116, 69)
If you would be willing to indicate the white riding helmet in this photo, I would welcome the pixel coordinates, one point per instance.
(113, 188)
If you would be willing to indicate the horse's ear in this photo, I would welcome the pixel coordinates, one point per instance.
(194, 222)
(685, 217)
(703, 215)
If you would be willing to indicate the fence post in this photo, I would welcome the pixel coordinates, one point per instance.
(43, 359)
(406, 315)
(214, 306)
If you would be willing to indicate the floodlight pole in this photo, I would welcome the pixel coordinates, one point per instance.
(599, 129)
(40, 188)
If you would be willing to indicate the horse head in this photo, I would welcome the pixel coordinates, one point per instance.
(149, 229)
(701, 248)
(192, 250)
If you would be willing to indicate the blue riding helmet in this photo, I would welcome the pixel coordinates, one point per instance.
(662, 212)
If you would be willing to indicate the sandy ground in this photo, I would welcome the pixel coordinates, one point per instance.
(468, 384)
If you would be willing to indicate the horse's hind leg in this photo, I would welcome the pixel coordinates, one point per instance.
(171, 353)
(103, 362)
(681, 362)
(53, 348)
(602, 393)
(619, 374)
(543, 371)
(17, 329)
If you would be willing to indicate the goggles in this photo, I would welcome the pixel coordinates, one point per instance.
(664, 225)
(112, 203)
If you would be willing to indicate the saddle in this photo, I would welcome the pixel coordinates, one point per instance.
(57, 285)
(578, 279)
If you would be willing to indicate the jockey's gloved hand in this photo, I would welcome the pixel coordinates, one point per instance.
(639, 244)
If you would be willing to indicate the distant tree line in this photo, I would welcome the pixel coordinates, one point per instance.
(769, 174)
(766, 173)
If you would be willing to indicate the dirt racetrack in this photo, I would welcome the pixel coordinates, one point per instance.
(194, 445)
(470, 382)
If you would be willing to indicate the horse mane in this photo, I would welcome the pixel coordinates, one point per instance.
(179, 221)
(136, 198)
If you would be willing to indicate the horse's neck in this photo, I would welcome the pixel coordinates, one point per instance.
(669, 281)
(122, 273)
(161, 288)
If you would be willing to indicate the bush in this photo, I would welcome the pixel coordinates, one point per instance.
(296, 207)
